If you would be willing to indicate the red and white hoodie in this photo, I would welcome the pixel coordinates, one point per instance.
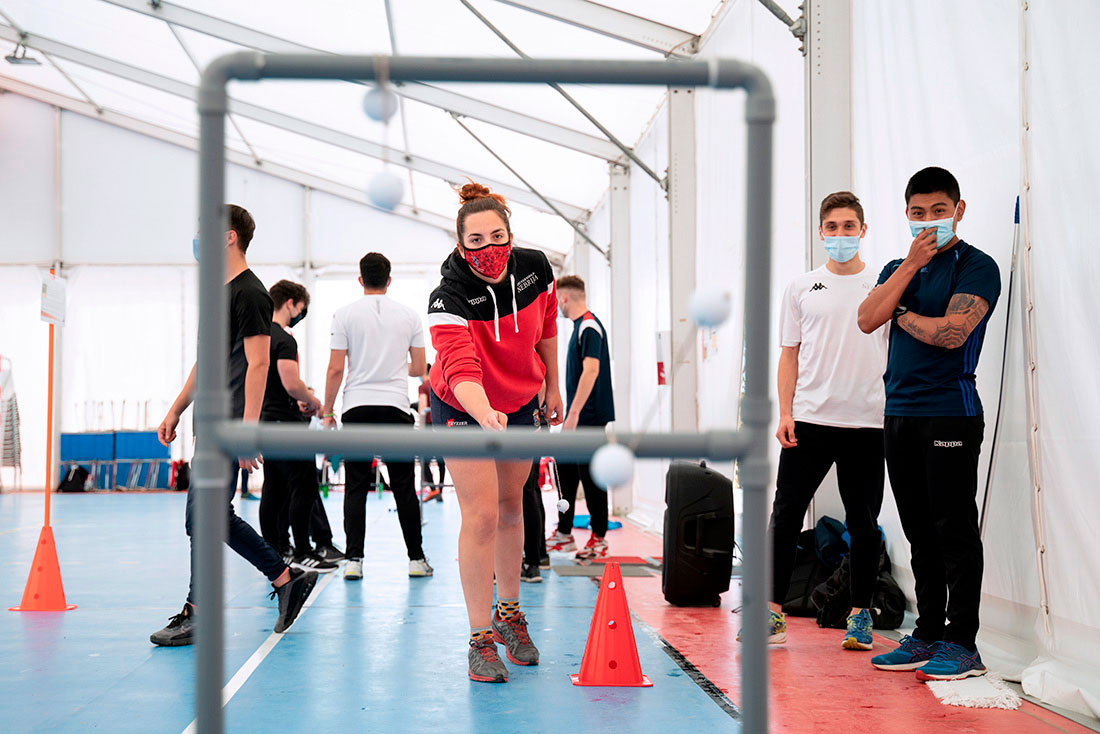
(487, 333)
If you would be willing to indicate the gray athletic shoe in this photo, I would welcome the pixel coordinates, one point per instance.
(485, 664)
(180, 630)
(292, 595)
(512, 633)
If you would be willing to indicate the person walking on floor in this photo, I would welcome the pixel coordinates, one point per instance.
(382, 343)
(424, 408)
(250, 311)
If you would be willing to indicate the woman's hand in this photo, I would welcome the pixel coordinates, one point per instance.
(494, 420)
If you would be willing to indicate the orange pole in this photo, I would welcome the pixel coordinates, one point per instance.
(49, 430)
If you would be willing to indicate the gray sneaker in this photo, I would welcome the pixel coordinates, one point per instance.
(180, 630)
(485, 664)
(292, 595)
(512, 633)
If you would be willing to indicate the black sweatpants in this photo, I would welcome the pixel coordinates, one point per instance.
(857, 453)
(241, 537)
(534, 518)
(290, 491)
(360, 479)
(933, 465)
(594, 496)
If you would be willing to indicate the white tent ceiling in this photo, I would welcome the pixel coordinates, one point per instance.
(142, 59)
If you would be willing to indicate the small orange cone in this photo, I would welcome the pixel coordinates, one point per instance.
(611, 656)
(44, 592)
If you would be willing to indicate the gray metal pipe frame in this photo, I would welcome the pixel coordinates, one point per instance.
(218, 440)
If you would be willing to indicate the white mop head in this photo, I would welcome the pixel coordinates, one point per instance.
(982, 692)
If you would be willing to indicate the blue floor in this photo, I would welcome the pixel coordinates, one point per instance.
(384, 654)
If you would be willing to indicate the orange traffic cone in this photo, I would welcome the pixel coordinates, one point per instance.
(611, 656)
(44, 592)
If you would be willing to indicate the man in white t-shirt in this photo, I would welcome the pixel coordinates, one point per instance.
(831, 401)
(382, 342)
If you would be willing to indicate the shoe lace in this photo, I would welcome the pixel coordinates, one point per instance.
(177, 619)
(518, 623)
(861, 622)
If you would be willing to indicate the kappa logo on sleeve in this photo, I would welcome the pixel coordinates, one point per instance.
(438, 303)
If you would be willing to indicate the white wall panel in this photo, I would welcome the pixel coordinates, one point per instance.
(27, 165)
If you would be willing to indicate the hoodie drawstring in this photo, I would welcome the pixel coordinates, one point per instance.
(515, 305)
(496, 311)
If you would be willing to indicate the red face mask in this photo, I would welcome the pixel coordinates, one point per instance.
(490, 260)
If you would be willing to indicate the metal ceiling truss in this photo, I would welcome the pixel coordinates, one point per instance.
(617, 24)
(286, 122)
(317, 183)
(443, 99)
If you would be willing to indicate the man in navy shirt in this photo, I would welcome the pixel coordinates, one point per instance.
(590, 403)
(940, 298)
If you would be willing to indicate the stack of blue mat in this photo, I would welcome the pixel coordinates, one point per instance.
(118, 459)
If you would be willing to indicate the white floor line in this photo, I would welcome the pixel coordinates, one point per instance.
(238, 680)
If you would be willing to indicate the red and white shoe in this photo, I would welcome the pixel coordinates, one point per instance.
(596, 547)
(560, 543)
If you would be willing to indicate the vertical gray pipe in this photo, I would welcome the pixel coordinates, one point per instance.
(755, 473)
(210, 477)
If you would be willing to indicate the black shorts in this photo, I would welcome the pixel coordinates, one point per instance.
(443, 415)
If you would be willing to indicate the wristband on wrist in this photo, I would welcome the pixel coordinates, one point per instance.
(898, 313)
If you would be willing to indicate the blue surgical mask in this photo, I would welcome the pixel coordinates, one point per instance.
(842, 249)
(195, 248)
(944, 229)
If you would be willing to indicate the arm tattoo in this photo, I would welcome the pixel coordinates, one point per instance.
(964, 313)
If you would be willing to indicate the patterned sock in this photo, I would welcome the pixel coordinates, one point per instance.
(507, 608)
(481, 634)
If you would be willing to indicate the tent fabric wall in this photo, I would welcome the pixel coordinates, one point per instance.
(1062, 106)
(29, 234)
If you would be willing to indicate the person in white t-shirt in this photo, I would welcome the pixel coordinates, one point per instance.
(831, 401)
(382, 342)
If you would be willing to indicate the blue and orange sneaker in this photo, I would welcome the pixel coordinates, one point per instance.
(951, 662)
(910, 654)
(858, 636)
(777, 628)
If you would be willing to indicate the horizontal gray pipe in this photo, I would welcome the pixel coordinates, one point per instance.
(404, 444)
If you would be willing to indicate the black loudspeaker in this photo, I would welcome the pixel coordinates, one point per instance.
(698, 535)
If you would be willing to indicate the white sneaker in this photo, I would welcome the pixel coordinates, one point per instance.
(353, 571)
(560, 543)
(420, 568)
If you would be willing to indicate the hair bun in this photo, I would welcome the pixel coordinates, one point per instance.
(473, 191)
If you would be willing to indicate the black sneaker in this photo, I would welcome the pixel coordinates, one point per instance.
(287, 554)
(530, 574)
(544, 561)
(179, 631)
(331, 553)
(312, 561)
(292, 595)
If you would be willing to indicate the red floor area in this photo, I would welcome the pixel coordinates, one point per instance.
(818, 688)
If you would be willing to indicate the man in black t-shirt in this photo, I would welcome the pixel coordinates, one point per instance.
(250, 311)
(290, 485)
(590, 404)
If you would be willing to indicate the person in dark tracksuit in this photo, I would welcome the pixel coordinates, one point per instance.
(940, 298)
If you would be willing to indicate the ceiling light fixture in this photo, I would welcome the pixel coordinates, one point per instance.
(15, 57)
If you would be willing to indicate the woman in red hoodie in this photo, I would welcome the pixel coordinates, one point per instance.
(493, 322)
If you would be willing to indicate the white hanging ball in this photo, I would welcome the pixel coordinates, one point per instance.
(380, 104)
(386, 190)
(563, 505)
(710, 306)
(612, 465)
